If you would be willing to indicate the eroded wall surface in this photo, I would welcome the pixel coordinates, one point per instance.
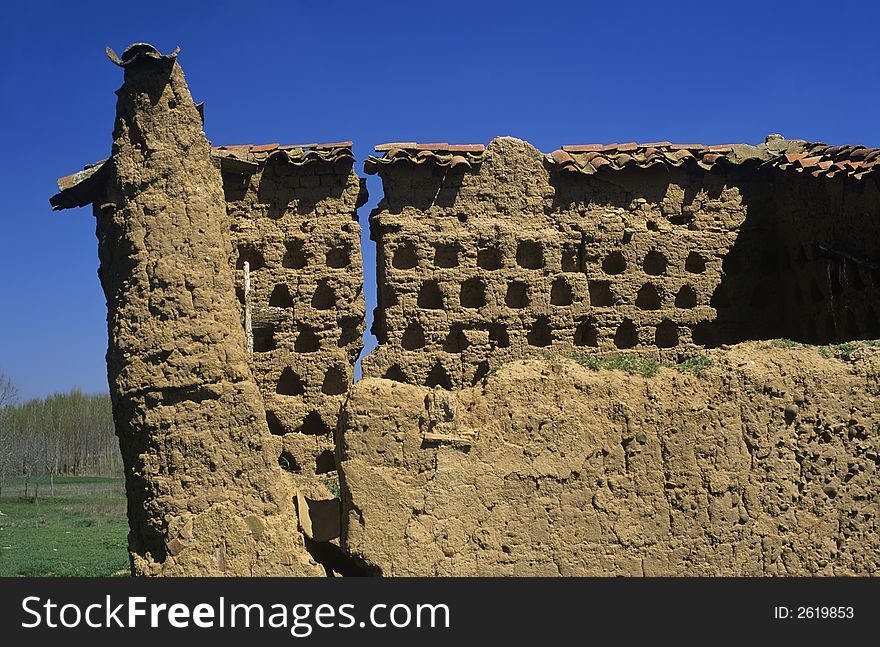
(206, 495)
(506, 256)
(756, 467)
(294, 221)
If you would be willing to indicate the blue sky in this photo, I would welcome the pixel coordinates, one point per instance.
(549, 72)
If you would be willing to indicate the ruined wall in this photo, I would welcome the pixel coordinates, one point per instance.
(759, 466)
(503, 255)
(232, 388)
(294, 221)
(205, 493)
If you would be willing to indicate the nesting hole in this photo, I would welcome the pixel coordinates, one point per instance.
(413, 337)
(438, 377)
(405, 258)
(540, 333)
(325, 462)
(395, 373)
(481, 373)
(324, 297)
(306, 340)
(694, 263)
(338, 256)
(280, 297)
(666, 334)
(456, 340)
(570, 258)
(614, 263)
(473, 294)
(626, 335)
(276, 428)
(498, 335)
(387, 296)
(686, 297)
(295, 256)
(530, 254)
(655, 263)
(561, 293)
(349, 331)
(335, 381)
(648, 298)
(489, 258)
(585, 334)
(314, 425)
(446, 255)
(705, 334)
(264, 340)
(517, 295)
(289, 383)
(288, 463)
(600, 294)
(251, 255)
(430, 296)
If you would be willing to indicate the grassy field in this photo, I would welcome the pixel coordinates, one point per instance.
(80, 531)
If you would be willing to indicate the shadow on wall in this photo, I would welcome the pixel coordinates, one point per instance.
(736, 256)
(804, 267)
(422, 187)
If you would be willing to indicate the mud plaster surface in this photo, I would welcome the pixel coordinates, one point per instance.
(764, 465)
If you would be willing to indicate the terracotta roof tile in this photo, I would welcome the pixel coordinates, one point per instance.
(783, 154)
(247, 159)
(80, 188)
(444, 155)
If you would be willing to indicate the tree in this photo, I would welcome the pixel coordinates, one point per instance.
(8, 397)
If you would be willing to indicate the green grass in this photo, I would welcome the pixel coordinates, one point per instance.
(782, 343)
(332, 484)
(82, 530)
(846, 349)
(696, 365)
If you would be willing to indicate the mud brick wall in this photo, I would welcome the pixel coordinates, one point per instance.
(652, 247)
(509, 260)
(293, 219)
(501, 256)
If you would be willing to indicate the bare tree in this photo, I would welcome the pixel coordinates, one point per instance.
(8, 397)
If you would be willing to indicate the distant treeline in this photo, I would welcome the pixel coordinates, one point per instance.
(68, 434)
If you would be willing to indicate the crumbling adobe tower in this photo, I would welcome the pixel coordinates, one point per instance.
(205, 490)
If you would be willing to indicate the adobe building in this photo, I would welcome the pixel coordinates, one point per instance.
(474, 445)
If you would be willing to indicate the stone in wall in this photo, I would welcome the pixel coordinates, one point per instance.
(206, 495)
(758, 466)
(294, 221)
